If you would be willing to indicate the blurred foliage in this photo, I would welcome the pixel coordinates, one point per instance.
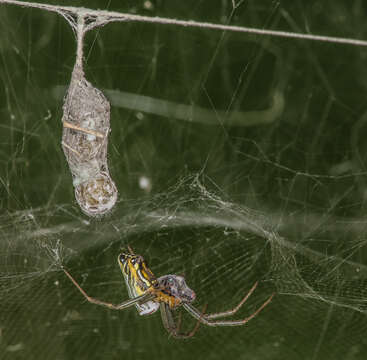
(302, 176)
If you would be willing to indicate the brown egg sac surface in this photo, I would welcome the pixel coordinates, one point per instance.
(86, 120)
(96, 196)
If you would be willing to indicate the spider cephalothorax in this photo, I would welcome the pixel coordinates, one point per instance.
(166, 293)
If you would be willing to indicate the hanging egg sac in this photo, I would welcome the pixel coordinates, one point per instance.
(86, 126)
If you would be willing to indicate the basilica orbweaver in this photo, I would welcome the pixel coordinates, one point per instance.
(167, 292)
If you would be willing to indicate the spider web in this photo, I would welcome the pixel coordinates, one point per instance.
(237, 158)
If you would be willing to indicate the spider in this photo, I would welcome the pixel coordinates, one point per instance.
(166, 293)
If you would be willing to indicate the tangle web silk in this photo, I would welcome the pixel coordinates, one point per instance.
(84, 147)
(304, 241)
(104, 17)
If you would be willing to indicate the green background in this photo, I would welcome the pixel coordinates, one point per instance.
(279, 197)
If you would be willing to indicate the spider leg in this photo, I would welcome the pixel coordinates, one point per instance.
(131, 250)
(170, 325)
(196, 327)
(140, 299)
(234, 310)
(205, 320)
